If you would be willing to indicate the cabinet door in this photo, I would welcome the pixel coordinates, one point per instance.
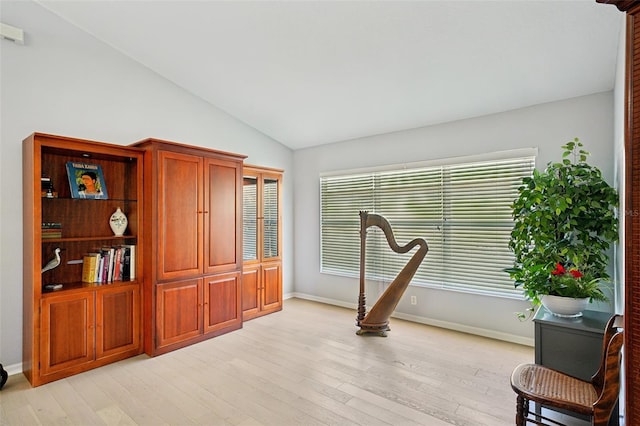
(67, 332)
(222, 216)
(262, 268)
(180, 215)
(272, 286)
(249, 219)
(261, 215)
(250, 291)
(118, 320)
(270, 218)
(222, 309)
(178, 311)
(574, 352)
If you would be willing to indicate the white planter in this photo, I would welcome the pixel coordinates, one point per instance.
(566, 307)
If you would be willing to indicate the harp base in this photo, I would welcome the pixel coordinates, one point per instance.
(379, 329)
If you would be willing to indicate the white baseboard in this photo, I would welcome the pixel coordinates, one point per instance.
(492, 334)
(13, 368)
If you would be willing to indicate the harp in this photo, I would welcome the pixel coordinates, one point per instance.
(377, 320)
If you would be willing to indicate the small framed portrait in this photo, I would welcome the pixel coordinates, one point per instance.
(86, 180)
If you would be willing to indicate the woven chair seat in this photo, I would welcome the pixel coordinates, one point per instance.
(543, 384)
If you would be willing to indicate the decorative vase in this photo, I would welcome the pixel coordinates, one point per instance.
(565, 307)
(118, 222)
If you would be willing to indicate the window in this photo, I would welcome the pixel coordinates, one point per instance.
(462, 210)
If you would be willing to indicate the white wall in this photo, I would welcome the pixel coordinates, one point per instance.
(546, 127)
(620, 170)
(619, 154)
(65, 82)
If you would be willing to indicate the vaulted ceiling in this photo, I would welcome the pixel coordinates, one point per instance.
(314, 72)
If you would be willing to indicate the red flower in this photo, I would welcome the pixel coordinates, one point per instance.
(575, 273)
(559, 270)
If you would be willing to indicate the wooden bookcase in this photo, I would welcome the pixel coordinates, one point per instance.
(193, 244)
(81, 325)
(262, 241)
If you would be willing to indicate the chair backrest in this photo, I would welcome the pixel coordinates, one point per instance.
(607, 378)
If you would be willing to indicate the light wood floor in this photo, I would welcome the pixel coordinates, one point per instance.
(301, 366)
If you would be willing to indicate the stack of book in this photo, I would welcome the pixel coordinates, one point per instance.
(51, 230)
(110, 264)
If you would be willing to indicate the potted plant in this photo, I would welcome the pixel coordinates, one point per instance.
(564, 223)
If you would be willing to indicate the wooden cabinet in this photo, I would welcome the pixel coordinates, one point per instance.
(262, 241)
(80, 325)
(81, 329)
(192, 251)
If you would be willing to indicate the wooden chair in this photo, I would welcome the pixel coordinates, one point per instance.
(550, 388)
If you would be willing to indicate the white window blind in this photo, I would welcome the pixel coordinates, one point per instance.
(249, 219)
(462, 211)
(270, 213)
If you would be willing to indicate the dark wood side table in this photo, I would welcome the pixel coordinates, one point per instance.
(571, 345)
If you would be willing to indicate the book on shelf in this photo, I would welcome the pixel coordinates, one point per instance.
(99, 268)
(86, 180)
(109, 264)
(51, 233)
(51, 225)
(129, 267)
(51, 230)
(117, 265)
(109, 254)
(89, 262)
